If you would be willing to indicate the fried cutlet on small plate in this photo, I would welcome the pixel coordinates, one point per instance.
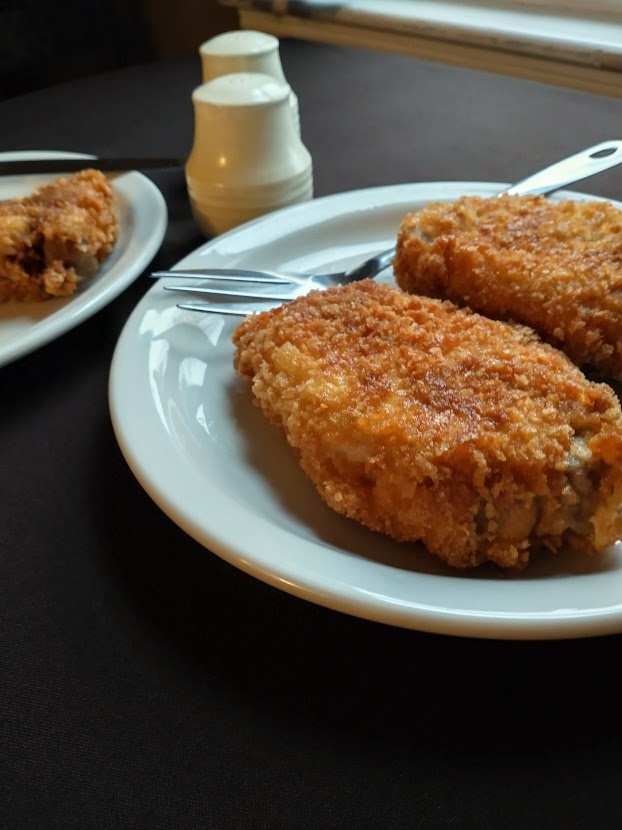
(555, 266)
(57, 236)
(427, 422)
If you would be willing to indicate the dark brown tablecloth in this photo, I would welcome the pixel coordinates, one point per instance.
(144, 683)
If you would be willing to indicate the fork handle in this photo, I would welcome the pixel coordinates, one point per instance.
(371, 267)
(572, 169)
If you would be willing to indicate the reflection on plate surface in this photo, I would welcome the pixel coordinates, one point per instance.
(25, 327)
(229, 479)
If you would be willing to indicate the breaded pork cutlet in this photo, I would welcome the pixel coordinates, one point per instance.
(429, 422)
(56, 236)
(554, 266)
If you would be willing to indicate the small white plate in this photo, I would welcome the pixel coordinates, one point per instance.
(25, 327)
(190, 433)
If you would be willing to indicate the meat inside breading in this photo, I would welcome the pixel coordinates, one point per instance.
(554, 266)
(55, 237)
(428, 422)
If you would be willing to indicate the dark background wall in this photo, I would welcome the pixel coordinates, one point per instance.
(44, 42)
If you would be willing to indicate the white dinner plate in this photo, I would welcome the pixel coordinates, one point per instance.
(190, 433)
(25, 327)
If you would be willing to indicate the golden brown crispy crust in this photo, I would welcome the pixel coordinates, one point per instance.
(555, 266)
(56, 236)
(428, 422)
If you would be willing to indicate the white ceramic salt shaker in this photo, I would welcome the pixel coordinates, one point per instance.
(247, 157)
(245, 51)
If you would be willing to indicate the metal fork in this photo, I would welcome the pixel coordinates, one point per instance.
(280, 286)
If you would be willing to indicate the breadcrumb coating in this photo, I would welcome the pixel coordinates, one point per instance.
(554, 266)
(55, 237)
(429, 422)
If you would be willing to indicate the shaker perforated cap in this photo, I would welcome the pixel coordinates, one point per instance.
(241, 89)
(241, 51)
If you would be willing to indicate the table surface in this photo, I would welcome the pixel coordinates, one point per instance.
(144, 682)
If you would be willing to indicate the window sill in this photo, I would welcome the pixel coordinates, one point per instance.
(566, 50)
